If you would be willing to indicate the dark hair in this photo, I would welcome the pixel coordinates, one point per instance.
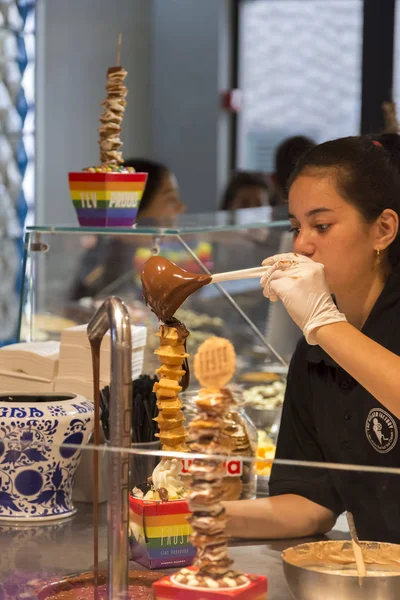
(366, 174)
(286, 156)
(241, 179)
(156, 171)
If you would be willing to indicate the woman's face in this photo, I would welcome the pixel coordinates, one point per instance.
(250, 196)
(331, 231)
(166, 201)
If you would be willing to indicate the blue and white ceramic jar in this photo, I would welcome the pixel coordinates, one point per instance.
(36, 471)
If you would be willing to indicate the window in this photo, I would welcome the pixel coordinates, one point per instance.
(300, 73)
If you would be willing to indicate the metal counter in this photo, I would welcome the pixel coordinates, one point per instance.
(62, 548)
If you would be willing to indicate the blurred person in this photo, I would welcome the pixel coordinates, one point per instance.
(289, 151)
(246, 189)
(160, 198)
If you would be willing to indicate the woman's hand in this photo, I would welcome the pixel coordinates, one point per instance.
(300, 284)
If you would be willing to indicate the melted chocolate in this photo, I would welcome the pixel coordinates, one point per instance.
(114, 70)
(183, 334)
(135, 592)
(166, 286)
(163, 493)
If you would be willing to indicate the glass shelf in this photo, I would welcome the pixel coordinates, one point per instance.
(192, 223)
(69, 270)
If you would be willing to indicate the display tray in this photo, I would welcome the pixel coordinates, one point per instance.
(80, 587)
(168, 589)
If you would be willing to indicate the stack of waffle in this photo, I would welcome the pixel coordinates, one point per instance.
(111, 119)
(240, 444)
(213, 565)
(171, 354)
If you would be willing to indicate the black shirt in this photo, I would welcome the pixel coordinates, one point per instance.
(329, 417)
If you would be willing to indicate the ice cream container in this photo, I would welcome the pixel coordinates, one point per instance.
(159, 533)
(106, 199)
(169, 589)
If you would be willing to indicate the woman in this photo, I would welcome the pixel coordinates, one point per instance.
(343, 401)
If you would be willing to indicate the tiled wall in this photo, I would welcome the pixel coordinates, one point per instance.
(17, 125)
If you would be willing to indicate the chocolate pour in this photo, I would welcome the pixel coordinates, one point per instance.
(183, 334)
(95, 349)
(165, 287)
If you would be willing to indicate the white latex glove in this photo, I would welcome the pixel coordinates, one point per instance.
(300, 284)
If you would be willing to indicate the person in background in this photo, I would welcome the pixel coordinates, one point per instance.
(107, 259)
(246, 189)
(286, 156)
(160, 198)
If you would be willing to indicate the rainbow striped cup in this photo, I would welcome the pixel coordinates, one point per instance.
(159, 533)
(106, 199)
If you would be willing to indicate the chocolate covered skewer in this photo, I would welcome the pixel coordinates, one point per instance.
(214, 366)
(111, 119)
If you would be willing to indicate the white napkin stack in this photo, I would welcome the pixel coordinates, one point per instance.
(29, 367)
(75, 368)
(66, 366)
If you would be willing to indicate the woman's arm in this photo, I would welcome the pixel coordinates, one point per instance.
(300, 284)
(286, 516)
(365, 360)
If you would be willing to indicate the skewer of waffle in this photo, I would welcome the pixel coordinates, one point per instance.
(172, 354)
(214, 366)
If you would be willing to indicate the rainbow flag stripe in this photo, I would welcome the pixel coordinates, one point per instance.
(106, 199)
(160, 533)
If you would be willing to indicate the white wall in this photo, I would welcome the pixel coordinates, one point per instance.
(189, 40)
(77, 42)
(176, 54)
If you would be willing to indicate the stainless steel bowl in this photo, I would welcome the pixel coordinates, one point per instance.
(308, 584)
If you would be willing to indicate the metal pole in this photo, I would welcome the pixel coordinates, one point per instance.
(113, 315)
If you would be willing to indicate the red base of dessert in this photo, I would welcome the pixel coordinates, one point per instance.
(167, 589)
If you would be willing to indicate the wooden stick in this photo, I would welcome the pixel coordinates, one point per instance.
(358, 555)
(119, 49)
(254, 273)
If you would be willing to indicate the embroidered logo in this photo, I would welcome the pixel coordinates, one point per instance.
(381, 430)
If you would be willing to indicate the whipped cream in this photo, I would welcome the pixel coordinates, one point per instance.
(167, 475)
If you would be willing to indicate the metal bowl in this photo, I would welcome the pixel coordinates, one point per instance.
(308, 584)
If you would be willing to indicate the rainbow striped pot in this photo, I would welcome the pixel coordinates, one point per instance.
(159, 533)
(106, 199)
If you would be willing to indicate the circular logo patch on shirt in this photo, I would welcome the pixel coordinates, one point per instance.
(381, 430)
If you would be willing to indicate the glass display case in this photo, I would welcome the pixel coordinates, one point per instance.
(70, 270)
(40, 558)
(66, 281)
